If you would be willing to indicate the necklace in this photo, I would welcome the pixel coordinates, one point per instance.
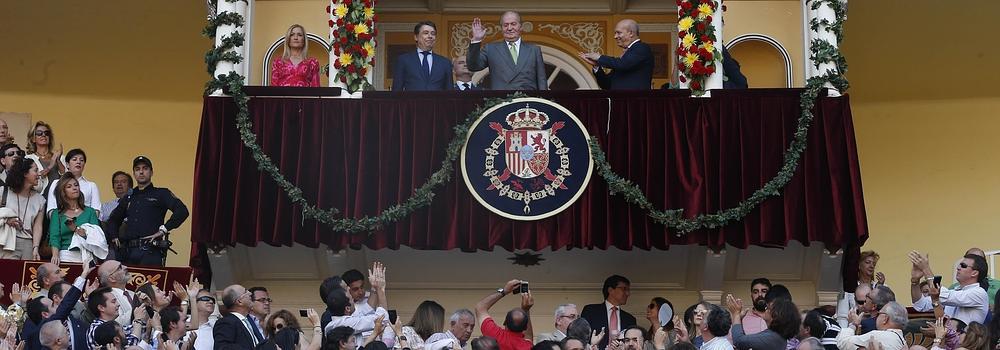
(20, 215)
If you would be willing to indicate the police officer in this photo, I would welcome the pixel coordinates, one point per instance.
(145, 206)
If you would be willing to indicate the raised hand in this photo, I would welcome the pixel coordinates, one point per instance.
(313, 317)
(682, 332)
(921, 261)
(595, 337)
(660, 338)
(880, 278)
(376, 275)
(934, 290)
(939, 330)
(853, 317)
(193, 287)
(478, 31)
(527, 301)
(180, 291)
(379, 325)
(509, 287)
(734, 305)
(91, 286)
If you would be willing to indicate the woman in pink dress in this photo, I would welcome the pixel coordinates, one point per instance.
(294, 67)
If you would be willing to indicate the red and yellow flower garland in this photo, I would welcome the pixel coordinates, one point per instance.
(696, 52)
(352, 39)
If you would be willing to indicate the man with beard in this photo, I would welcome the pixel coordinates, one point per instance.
(517, 325)
(753, 322)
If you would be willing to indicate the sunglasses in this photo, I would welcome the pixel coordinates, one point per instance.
(14, 153)
(206, 298)
(43, 132)
(964, 265)
(279, 326)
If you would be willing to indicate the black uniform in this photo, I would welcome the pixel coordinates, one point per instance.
(145, 210)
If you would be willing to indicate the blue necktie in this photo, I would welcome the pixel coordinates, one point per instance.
(423, 62)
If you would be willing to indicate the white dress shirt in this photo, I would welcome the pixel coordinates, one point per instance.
(970, 303)
(607, 308)
(206, 339)
(891, 339)
(717, 343)
(430, 59)
(364, 326)
(124, 305)
(107, 208)
(91, 195)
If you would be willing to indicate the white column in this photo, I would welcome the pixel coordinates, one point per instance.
(225, 31)
(712, 276)
(824, 12)
(714, 81)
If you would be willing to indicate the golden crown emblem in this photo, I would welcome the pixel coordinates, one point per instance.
(527, 118)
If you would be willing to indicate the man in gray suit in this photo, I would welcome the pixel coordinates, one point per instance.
(513, 64)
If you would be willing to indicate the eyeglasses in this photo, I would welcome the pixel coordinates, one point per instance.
(571, 316)
(206, 298)
(14, 153)
(263, 300)
(964, 265)
(859, 301)
(43, 132)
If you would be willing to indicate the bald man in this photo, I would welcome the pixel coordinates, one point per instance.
(633, 70)
(54, 336)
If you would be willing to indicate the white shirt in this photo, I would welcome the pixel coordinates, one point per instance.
(243, 321)
(970, 303)
(891, 339)
(717, 343)
(430, 58)
(517, 46)
(107, 208)
(124, 306)
(91, 195)
(464, 85)
(923, 304)
(607, 307)
(364, 326)
(437, 340)
(205, 340)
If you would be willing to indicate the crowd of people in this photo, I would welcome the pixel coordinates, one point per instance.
(513, 63)
(106, 314)
(50, 211)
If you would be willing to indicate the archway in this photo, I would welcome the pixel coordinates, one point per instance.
(762, 59)
(322, 54)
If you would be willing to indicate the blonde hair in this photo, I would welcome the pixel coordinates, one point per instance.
(288, 37)
(31, 137)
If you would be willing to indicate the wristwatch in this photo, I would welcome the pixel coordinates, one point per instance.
(501, 291)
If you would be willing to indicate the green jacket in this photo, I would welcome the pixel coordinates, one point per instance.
(60, 236)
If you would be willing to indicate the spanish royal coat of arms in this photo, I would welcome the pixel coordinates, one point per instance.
(527, 159)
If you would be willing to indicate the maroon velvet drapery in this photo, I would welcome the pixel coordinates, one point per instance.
(360, 156)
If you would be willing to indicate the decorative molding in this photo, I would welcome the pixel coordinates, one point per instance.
(711, 296)
(770, 41)
(587, 35)
(827, 298)
(658, 27)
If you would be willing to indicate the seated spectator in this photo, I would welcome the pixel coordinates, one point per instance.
(866, 276)
(633, 338)
(427, 320)
(580, 329)
(564, 315)
(54, 336)
(810, 343)
(485, 343)
(874, 301)
(783, 320)
(889, 323)
(72, 213)
(573, 343)
(461, 324)
(512, 335)
(694, 317)
(970, 303)
(340, 338)
(653, 316)
(295, 67)
(715, 328)
(283, 328)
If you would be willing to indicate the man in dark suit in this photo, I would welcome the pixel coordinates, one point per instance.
(609, 315)
(235, 330)
(463, 77)
(632, 71)
(422, 69)
(513, 64)
(42, 310)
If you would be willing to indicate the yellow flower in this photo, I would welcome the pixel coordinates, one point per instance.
(709, 47)
(345, 59)
(369, 13)
(340, 11)
(704, 10)
(687, 41)
(370, 49)
(361, 28)
(690, 59)
(685, 23)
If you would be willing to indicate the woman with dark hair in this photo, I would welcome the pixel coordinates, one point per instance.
(340, 338)
(283, 328)
(653, 315)
(25, 223)
(153, 297)
(427, 320)
(70, 215)
(782, 317)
